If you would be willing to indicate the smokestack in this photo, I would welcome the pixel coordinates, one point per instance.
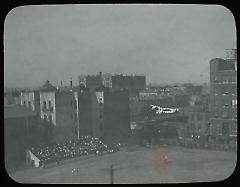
(71, 82)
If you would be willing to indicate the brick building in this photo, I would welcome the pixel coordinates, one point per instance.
(134, 83)
(223, 96)
(102, 113)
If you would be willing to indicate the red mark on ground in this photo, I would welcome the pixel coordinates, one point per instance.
(160, 159)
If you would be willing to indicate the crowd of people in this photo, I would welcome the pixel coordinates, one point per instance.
(85, 145)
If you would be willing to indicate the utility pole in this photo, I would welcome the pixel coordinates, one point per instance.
(111, 174)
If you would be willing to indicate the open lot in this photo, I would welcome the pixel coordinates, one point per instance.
(132, 165)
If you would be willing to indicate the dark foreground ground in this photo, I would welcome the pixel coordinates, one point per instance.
(133, 165)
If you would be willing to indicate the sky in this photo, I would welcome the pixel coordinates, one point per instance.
(167, 43)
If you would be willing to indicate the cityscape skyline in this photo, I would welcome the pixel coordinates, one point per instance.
(160, 41)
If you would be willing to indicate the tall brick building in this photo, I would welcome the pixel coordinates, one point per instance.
(223, 96)
(133, 83)
(102, 113)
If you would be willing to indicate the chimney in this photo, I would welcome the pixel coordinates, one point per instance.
(71, 83)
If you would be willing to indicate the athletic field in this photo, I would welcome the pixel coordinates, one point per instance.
(138, 165)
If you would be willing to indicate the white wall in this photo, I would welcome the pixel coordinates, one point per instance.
(48, 96)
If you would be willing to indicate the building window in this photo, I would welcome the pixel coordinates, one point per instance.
(234, 103)
(226, 105)
(45, 117)
(226, 93)
(75, 104)
(29, 104)
(44, 105)
(24, 103)
(50, 118)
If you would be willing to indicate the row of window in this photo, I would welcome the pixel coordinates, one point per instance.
(225, 104)
(225, 79)
(50, 104)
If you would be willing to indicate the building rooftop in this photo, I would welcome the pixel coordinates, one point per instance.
(17, 111)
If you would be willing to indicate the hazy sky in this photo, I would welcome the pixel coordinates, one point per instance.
(167, 43)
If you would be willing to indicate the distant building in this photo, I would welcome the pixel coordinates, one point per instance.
(181, 100)
(133, 83)
(31, 100)
(55, 107)
(194, 89)
(198, 121)
(223, 95)
(11, 96)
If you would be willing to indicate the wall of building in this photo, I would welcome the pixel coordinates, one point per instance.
(92, 82)
(116, 115)
(19, 134)
(223, 96)
(50, 111)
(27, 99)
(64, 107)
(31, 100)
(97, 109)
(136, 107)
(197, 122)
(85, 113)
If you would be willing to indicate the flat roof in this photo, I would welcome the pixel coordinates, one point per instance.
(17, 111)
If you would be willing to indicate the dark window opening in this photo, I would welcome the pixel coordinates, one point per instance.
(44, 105)
(29, 104)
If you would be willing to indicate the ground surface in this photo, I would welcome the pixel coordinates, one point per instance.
(132, 165)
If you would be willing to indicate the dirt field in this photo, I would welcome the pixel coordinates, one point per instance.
(133, 165)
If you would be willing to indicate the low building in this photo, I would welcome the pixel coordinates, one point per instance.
(21, 130)
(134, 83)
